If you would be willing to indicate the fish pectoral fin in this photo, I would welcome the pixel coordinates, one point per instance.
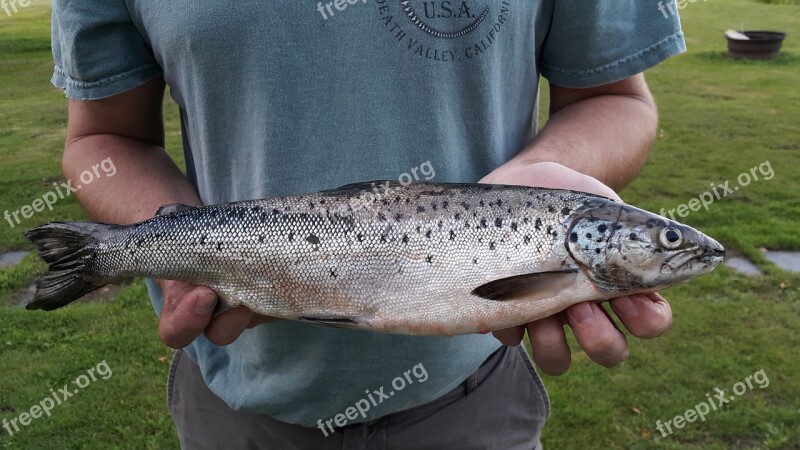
(171, 208)
(530, 286)
(338, 322)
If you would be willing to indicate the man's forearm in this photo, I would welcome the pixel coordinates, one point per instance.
(607, 137)
(145, 179)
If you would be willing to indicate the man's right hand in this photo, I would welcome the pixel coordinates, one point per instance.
(189, 310)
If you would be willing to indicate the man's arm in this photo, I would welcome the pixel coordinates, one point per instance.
(128, 128)
(604, 132)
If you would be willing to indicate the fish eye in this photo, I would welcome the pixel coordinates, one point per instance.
(670, 238)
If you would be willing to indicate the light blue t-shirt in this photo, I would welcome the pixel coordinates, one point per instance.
(297, 96)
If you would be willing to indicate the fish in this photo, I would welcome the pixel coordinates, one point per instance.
(421, 258)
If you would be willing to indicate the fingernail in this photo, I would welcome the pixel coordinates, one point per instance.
(625, 307)
(582, 313)
(205, 303)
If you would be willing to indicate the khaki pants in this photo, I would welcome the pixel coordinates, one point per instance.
(503, 405)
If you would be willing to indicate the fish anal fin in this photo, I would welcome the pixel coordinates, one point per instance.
(338, 322)
(529, 286)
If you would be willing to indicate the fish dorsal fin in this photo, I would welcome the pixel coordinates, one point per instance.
(171, 208)
(529, 286)
(362, 186)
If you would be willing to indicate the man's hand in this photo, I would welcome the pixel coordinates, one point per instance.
(644, 315)
(188, 311)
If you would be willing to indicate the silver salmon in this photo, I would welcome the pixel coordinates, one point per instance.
(423, 258)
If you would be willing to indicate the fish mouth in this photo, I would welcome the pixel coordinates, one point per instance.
(706, 256)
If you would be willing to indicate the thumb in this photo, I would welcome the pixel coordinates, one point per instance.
(187, 310)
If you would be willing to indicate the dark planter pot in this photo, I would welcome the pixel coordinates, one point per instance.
(761, 45)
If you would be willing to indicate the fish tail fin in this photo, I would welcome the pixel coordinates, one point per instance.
(69, 248)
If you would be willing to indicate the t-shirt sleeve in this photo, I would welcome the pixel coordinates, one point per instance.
(97, 49)
(594, 42)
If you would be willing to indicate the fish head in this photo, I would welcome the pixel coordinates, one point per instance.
(623, 249)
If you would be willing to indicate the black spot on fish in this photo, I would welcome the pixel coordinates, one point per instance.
(597, 250)
(429, 259)
(527, 240)
(312, 239)
(405, 239)
(566, 211)
(484, 224)
(491, 245)
(528, 204)
(633, 237)
(549, 229)
(433, 205)
(474, 260)
(439, 224)
(291, 236)
(418, 228)
(513, 226)
(452, 235)
(538, 224)
(457, 216)
(428, 234)
(261, 238)
(444, 204)
(397, 199)
(360, 237)
(420, 209)
(386, 202)
(481, 203)
(573, 237)
(551, 209)
(275, 212)
(219, 246)
(588, 235)
(602, 228)
(333, 273)
(322, 201)
(311, 205)
(381, 217)
(140, 242)
(499, 201)
(498, 222)
(203, 240)
(398, 217)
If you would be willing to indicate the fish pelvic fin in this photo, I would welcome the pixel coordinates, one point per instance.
(69, 248)
(337, 322)
(529, 286)
(171, 208)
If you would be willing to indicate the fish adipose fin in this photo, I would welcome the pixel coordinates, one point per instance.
(530, 286)
(69, 249)
(171, 208)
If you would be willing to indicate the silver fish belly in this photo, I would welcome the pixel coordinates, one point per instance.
(425, 258)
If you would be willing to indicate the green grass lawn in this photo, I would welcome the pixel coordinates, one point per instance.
(719, 118)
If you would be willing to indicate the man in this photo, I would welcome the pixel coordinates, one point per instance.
(289, 97)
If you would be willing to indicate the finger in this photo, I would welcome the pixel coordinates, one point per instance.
(186, 312)
(510, 336)
(644, 315)
(597, 334)
(229, 325)
(549, 345)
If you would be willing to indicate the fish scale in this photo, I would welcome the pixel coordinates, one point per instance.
(423, 258)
